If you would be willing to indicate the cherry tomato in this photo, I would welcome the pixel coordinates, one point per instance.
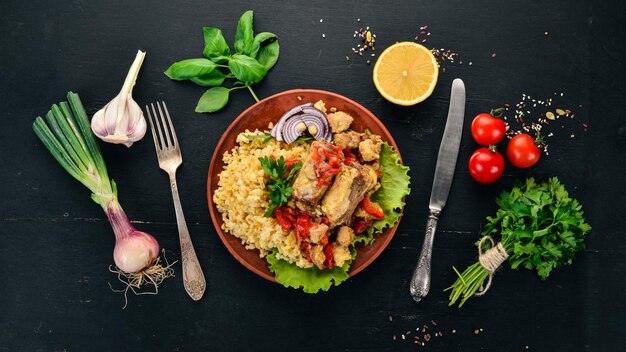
(488, 130)
(522, 151)
(486, 165)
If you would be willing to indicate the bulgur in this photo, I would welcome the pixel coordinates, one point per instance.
(241, 198)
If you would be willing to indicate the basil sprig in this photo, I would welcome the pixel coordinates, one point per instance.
(254, 56)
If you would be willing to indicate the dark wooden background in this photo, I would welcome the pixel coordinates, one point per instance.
(55, 244)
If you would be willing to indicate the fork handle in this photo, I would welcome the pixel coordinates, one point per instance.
(193, 277)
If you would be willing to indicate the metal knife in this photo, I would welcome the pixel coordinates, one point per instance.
(444, 171)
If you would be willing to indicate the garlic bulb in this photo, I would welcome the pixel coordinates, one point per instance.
(121, 121)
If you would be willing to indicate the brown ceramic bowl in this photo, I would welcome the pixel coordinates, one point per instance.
(258, 116)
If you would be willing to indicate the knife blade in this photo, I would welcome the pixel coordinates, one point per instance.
(444, 173)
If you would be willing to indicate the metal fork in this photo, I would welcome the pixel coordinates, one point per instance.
(170, 158)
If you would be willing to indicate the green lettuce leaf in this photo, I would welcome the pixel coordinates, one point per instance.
(394, 183)
(310, 280)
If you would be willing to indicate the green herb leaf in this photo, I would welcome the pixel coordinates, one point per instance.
(268, 55)
(254, 56)
(213, 99)
(244, 35)
(213, 79)
(259, 40)
(190, 68)
(246, 69)
(215, 47)
(303, 139)
(266, 137)
(279, 181)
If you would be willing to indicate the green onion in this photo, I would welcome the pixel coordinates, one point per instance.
(66, 133)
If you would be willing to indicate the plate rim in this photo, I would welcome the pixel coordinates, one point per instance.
(390, 232)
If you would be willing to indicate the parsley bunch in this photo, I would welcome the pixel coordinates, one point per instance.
(539, 226)
(279, 184)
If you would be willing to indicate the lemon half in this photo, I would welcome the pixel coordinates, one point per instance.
(406, 73)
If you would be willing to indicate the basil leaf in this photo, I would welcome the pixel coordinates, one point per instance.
(215, 47)
(246, 69)
(244, 35)
(268, 55)
(213, 79)
(189, 68)
(259, 39)
(213, 99)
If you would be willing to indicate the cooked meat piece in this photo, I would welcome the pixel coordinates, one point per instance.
(339, 121)
(340, 254)
(317, 256)
(305, 190)
(370, 148)
(345, 236)
(320, 105)
(373, 174)
(361, 213)
(347, 140)
(345, 194)
(317, 232)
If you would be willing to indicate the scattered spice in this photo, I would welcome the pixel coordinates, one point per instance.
(367, 41)
(420, 333)
(493, 55)
(533, 115)
(442, 55)
(476, 332)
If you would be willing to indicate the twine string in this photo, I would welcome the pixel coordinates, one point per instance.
(491, 259)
